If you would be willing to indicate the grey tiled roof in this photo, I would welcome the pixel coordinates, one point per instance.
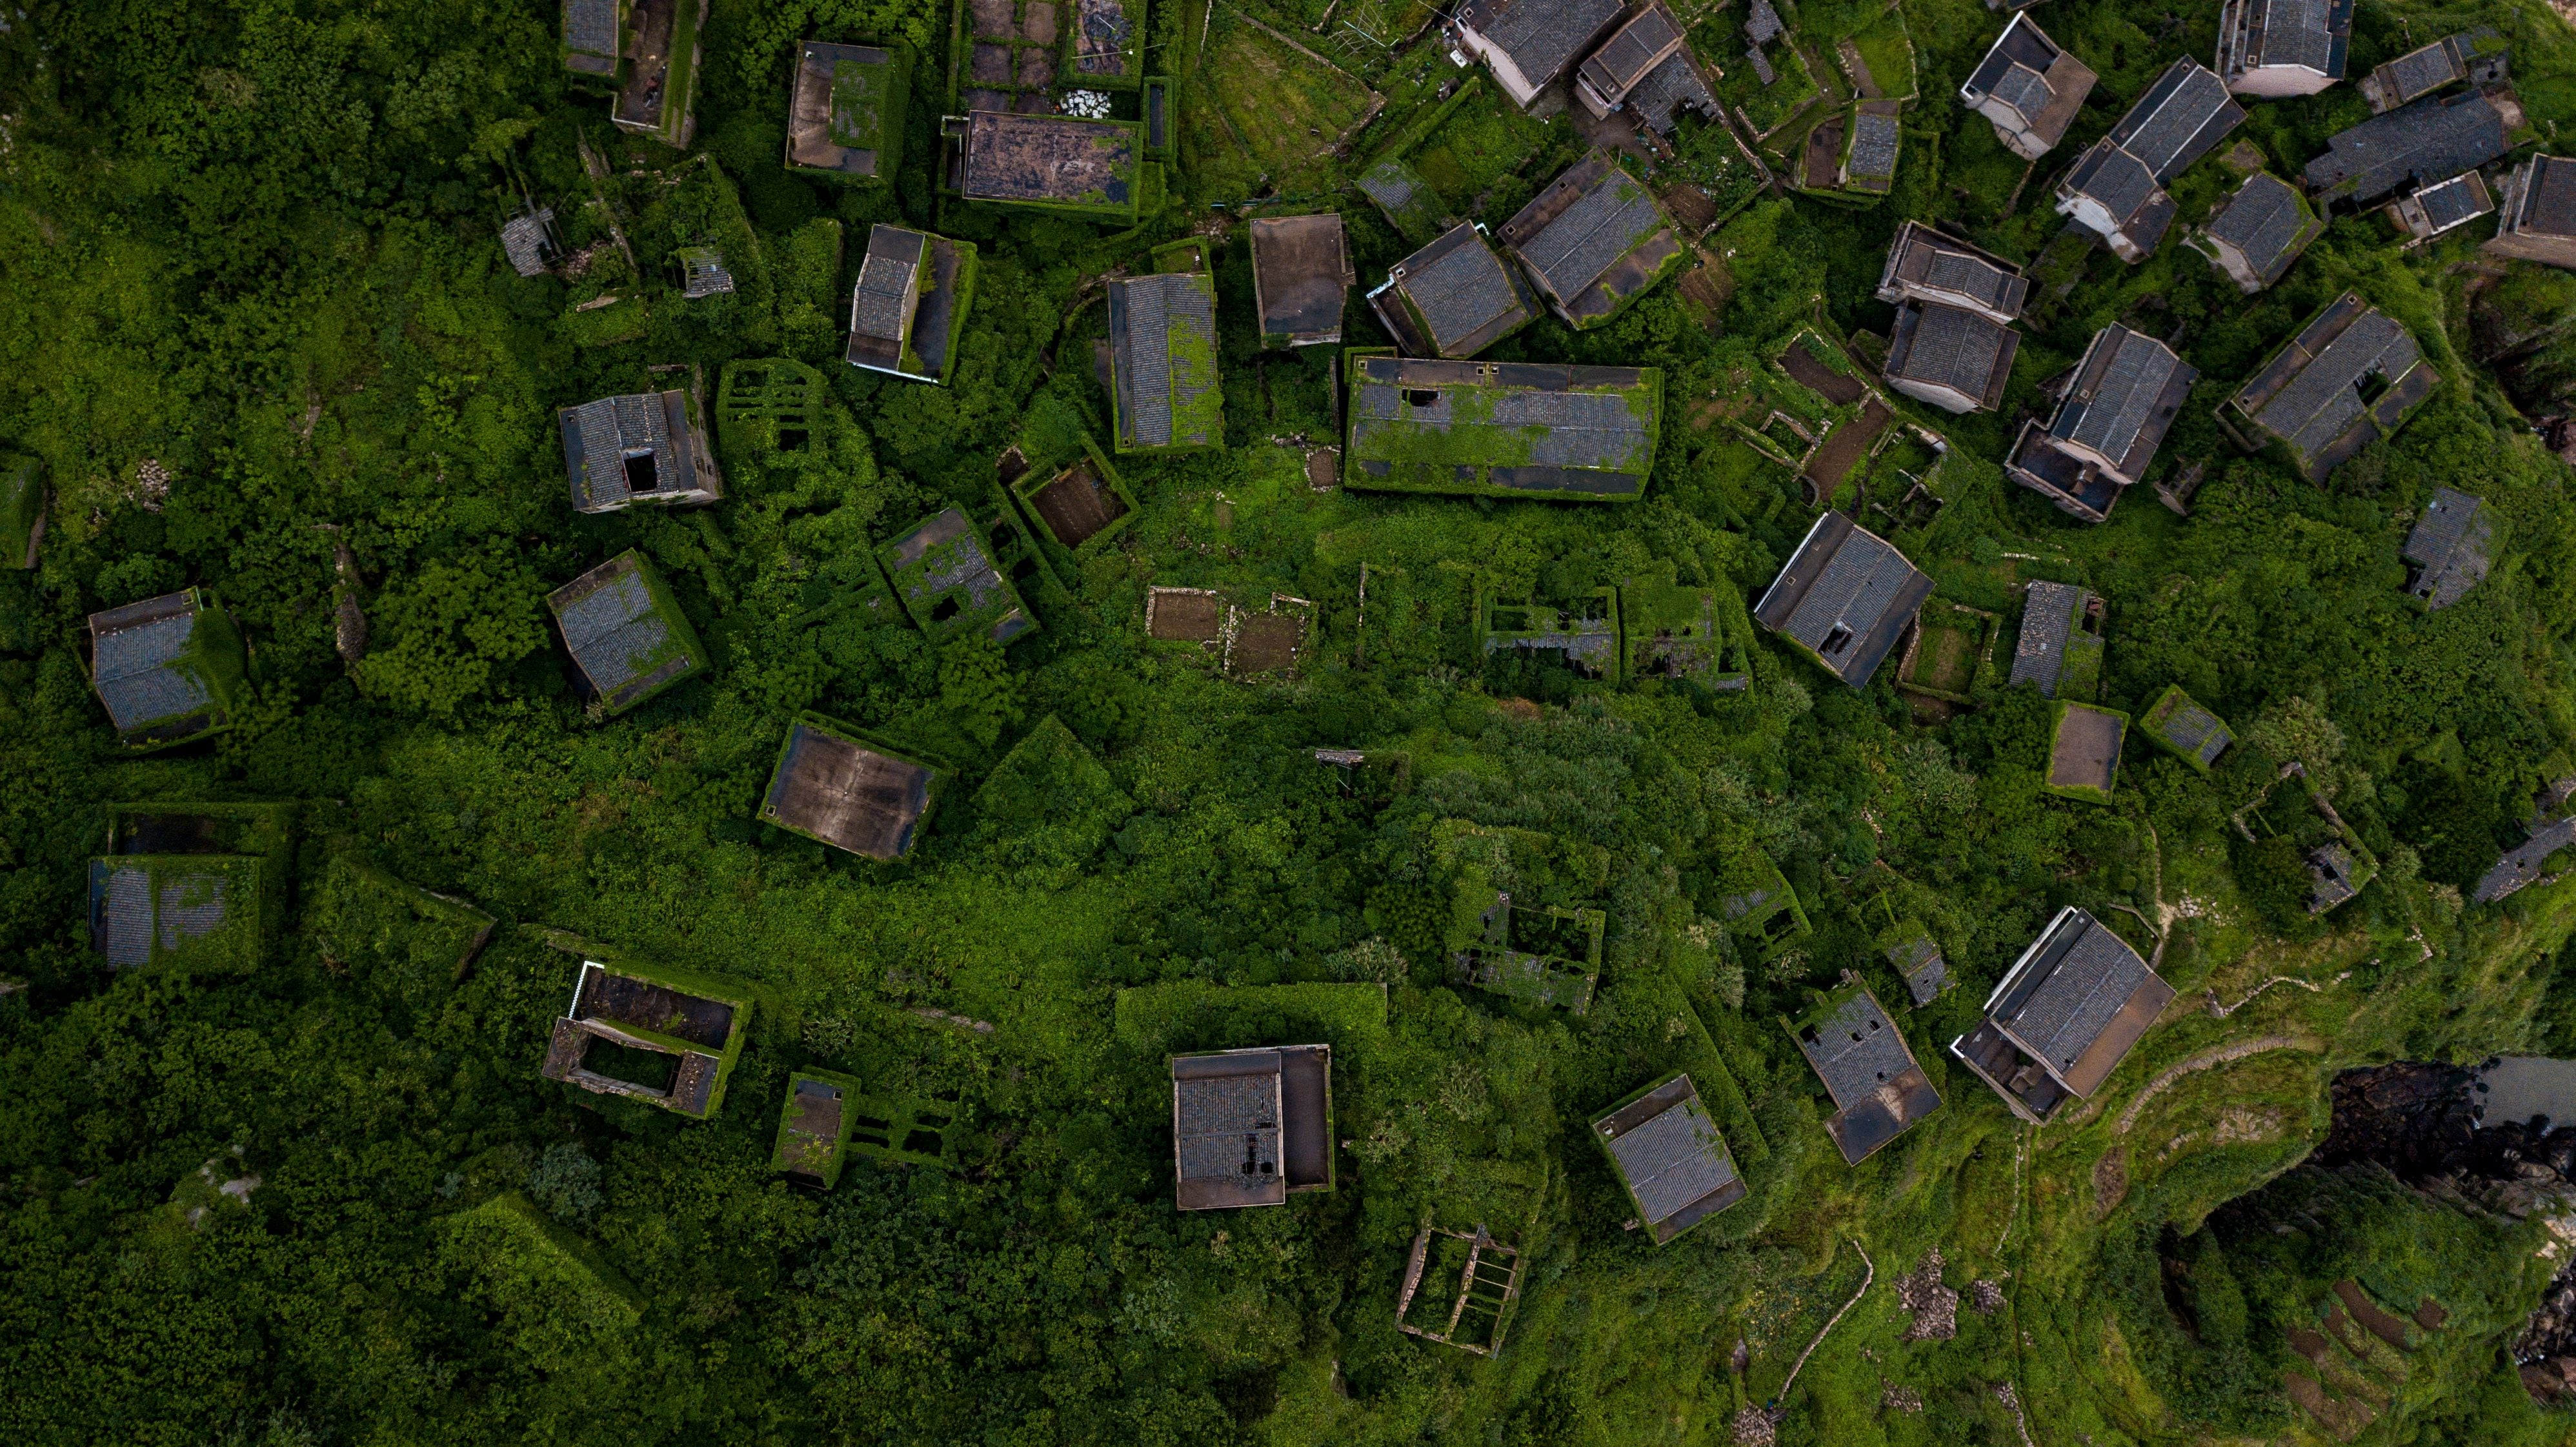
(2449, 546)
(1228, 1122)
(881, 306)
(140, 675)
(2060, 1014)
(2431, 139)
(1873, 144)
(590, 26)
(2424, 69)
(614, 631)
(1541, 36)
(2549, 199)
(1668, 88)
(2124, 377)
(1152, 393)
(1673, 1160)
(1925, 971)
(2020, 87)
(2121, 182)
(2263, 220)
(1605, 223)
(1462, 291)
(134, 914)
(2047, 621)
(1843, 578)
(703, 273)
(1923, 261)
(1622, 61)
(1762, 24)
(2324, 398)
(523, 241)
(1856, 1049)
(2298, 32)
(2184, 113)
(1953, 347)
(2195, 731)
(598, 435)
(2454, 202)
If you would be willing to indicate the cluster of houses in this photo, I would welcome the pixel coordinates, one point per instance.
(1252, 1127)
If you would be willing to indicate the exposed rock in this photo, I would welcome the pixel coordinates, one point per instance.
(1754, 1428)
(1899, 1399)
(1986, 1296)
(1934, 1307)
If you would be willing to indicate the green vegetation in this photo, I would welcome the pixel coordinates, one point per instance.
(256, 314)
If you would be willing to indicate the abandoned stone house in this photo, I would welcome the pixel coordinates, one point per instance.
(2349, 378)
(1928, 265)
(1506, 429)
(1251, 1126)
(835, 786)
(168, 669)
(2029, 86)
(1591, 240)
(2278, 48)
(1954, 358)
(2259, 231)
(845, 115)
(1646, 69)
(2420, 144)
(1163, 393)
(1878, 1089)
(637, 448)
(2117, 188)
(1453, 298)
(2537, 219)
(625, 632)
(1529, 44)
(908, 307)
(202, 884)
(1844, 599)
(2060, 648)
(2123, 396)
(2070, 1009)
(654, 1036)
(2472, 55)
(1671, 1158)
(1301, 278)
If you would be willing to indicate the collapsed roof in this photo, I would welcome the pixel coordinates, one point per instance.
(1592, 239)
(1251, 1126)
(2430, 140)
(2449, 546)
(1509, 429)
(2310, 395)
(1879, 1091)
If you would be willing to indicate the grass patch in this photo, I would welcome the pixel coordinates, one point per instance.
(1285, 109)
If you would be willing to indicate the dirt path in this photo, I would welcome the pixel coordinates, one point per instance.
(2217, 1055)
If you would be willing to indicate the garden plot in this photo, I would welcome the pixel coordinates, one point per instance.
(1269, 109)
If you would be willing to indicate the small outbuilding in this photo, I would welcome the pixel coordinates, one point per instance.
(1920, 961)
(2070, 1009)
(2450, 548)
(663, 1037)
(908, 307)
(662, 53)
(528, 240)
(2084, 751)
(1645, 68)
(1844, 599)
(834, 785)
(2350, 377)
(2029, 86)
(169, 669)
(2442, 207)
(1593, 240)
(846, 114)
(625, 632)
(1453, 298)
(1251, 1126)
(1301, 278)
(2259, 231)
(1670, 1156)
(638, 448)
(1879, 1090)
(2477, 55)
(197, 885)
